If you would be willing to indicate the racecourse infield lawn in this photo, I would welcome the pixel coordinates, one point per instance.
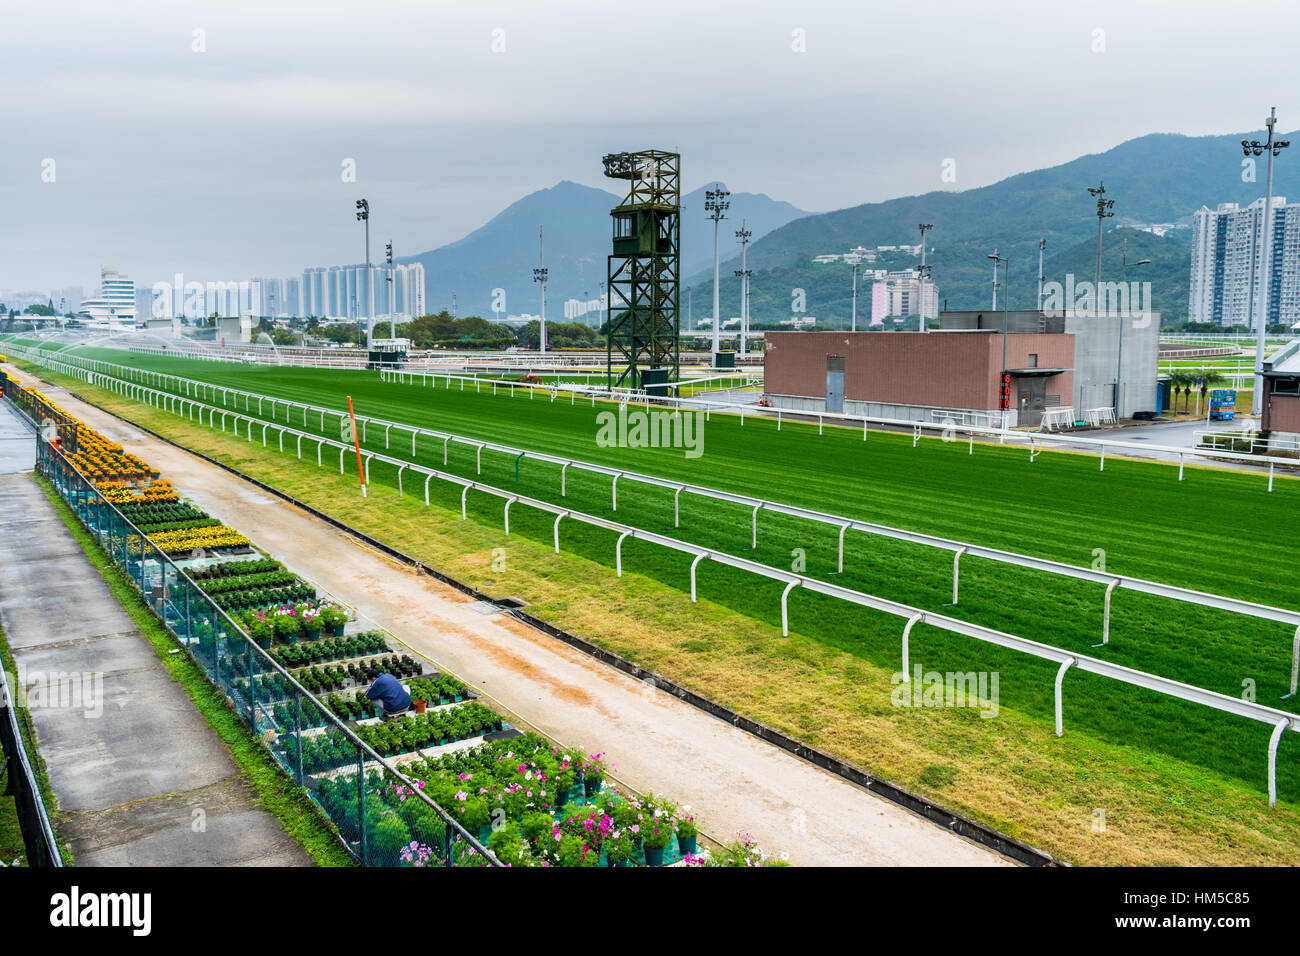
(1173, 782)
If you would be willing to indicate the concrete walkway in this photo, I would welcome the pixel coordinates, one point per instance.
(17, 442)
(139, 776)
(731, 779)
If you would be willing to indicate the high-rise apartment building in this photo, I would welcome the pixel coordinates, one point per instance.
(1228, 264)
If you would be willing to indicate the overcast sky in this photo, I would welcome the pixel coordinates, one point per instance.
(211, 138)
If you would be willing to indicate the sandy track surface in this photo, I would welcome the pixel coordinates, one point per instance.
(734, 781)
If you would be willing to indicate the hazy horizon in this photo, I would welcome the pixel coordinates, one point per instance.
(211, 139)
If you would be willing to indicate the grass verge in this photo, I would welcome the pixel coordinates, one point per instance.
(277, 794)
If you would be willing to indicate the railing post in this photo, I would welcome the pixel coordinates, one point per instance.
(1295, 663)
(694, 565)
(618, 554)
(956, 570)
(1060, 676)
(907, 634)
(785, 617)
(1105, 615)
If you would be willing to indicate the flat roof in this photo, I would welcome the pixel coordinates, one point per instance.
(1285, 361)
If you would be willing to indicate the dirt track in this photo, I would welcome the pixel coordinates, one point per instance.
(731, 779)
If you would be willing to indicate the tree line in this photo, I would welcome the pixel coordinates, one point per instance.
(443, 330)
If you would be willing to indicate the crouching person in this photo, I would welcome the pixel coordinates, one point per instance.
(388, 692)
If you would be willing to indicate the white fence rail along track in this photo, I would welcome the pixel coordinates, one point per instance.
(1277, 719)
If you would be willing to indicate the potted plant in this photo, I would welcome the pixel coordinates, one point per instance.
(262, 631)
(687, 832)
(311, 621)
(335, 618)
(593, 774)
(476, 817)
(287, 624)
(655, 834)
(563, 782)
(618, 848)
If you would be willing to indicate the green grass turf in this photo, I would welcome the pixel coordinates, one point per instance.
(1218, 530)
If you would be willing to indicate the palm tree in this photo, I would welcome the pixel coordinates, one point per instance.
(1181, 379)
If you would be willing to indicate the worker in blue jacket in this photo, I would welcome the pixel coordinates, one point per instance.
(388, 692)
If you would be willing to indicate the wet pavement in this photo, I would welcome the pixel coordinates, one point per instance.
(139, 776)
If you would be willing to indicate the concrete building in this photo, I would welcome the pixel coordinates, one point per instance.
(234, 329)
(956, 371)
(1281, 399)
(113, 307)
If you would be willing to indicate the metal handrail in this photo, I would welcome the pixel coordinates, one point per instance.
(1127, 582)
(1003, 435)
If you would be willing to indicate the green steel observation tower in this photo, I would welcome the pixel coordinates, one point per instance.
(643, 272)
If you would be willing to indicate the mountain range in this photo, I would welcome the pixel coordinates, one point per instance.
(1158, 178)
(575, 225)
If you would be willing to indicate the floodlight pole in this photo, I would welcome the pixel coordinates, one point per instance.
(715, 204)
(363, 213)
(1104, 207)
(995, 280)
(1273, 147)
(539, 276)
(743, 273)
(1042, 244)
(922, 274)
(853, 326)
(392, 293)
(1006, 316)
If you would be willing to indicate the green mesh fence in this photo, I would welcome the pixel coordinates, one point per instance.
(381, 818)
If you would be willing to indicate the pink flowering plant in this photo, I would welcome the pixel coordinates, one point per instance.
(512, 785)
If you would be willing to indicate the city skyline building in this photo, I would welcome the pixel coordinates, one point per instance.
(1227, 264)
(113, 306)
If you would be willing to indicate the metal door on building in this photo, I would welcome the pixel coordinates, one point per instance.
(1033, 399)
(835, 383)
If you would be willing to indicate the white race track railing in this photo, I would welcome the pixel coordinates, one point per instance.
(1279, 720)
(844, 524)
(1036, 442)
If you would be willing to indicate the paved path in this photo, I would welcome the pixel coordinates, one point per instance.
(139, 776)
(733, 780)
(17, 444)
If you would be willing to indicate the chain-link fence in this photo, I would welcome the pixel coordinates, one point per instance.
(358, 790)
